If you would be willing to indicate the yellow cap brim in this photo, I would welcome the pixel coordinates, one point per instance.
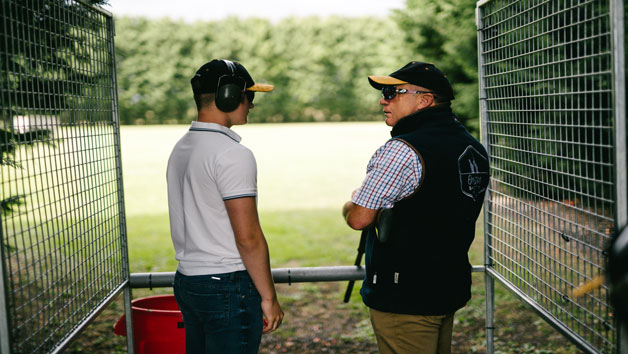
(379, 81)
(261, 88)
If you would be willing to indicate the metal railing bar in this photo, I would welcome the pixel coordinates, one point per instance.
(280, 275)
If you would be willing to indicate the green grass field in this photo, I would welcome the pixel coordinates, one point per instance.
(305, 173)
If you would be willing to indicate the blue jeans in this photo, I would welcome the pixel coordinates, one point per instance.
(222, 313)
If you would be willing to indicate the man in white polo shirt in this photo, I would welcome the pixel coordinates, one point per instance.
(223, 284)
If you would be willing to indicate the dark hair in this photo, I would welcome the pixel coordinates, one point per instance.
(204, 100)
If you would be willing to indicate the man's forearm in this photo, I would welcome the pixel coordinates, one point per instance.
(251, 243)
(254, 253)
(358, 217)
(253, 250)
(255, 257)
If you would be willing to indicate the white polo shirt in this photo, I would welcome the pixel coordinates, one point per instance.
(206, 167)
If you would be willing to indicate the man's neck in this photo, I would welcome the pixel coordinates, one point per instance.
(212, 116)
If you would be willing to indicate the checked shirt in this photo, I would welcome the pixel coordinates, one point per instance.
(392, 174)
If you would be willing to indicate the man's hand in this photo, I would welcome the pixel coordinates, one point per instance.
(273, 315)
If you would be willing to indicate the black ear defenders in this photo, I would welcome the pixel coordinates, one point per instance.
(230, 90)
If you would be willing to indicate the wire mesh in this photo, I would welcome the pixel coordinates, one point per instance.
(547, 80)
(63, 235)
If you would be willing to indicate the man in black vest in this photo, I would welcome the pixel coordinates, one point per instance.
(430, 178)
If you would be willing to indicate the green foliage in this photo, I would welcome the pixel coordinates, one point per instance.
(36, 70)
(319, 66)
(444, 33)
(11, 202)
(565, 124)
(9, 142)
(46, 59)
(43, 51)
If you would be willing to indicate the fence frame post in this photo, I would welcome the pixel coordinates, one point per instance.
(617, 14)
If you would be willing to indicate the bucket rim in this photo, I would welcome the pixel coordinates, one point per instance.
(134, 305)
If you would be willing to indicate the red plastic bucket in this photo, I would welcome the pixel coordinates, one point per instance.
(157, 326)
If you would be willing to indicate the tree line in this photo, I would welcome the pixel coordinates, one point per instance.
(319, 66)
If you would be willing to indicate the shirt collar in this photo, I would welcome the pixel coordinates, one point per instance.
(213, 127)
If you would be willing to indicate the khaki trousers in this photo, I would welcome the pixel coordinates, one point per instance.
(412, 334)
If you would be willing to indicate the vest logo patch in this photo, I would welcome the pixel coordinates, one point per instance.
(473, 170)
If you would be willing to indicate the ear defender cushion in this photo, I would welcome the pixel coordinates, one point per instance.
(229, 93)
(228, 97)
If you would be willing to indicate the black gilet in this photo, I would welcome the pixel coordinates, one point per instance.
(423, 268)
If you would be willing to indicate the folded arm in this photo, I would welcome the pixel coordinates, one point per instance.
(358, 217)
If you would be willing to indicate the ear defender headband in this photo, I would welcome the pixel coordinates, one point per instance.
(230, 90)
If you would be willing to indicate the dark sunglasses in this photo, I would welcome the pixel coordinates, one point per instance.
(389, 92)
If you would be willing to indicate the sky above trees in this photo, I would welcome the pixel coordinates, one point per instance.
(193, 10)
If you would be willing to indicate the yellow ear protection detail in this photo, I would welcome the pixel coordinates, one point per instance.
(230, 90)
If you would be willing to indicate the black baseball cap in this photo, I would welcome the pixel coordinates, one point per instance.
(417, 73)
(206, 78)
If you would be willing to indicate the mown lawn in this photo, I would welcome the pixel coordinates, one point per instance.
(305, 173)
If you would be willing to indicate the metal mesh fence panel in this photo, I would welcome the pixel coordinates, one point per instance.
(62, 226)
(546, 80)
